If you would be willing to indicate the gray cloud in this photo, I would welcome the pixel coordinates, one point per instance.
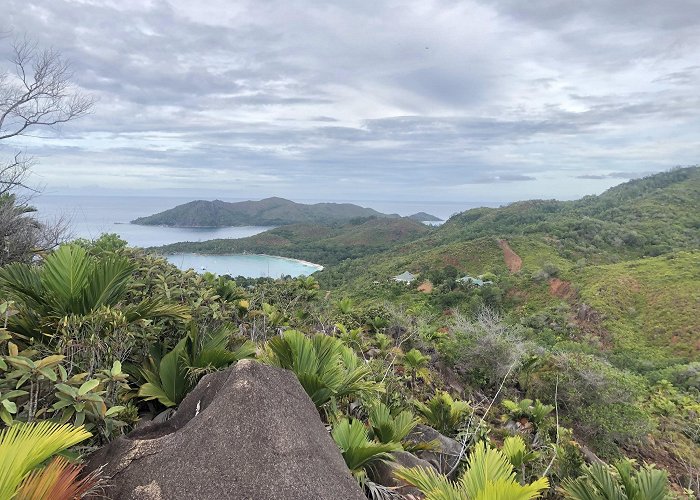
(430, 99)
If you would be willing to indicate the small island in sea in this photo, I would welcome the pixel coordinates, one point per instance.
(424, 217)
(267, 212)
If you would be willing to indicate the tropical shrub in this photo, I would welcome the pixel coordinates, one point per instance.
(72, 283)
(444, 414)
(388, 428)
(601, 402)
(535, 412)
(416, 363)
(33, 388)
(358, 450)
(619, 482)
(171, 377)
(489, 474)
(326, 368)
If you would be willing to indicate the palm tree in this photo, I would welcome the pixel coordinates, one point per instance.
(170, 378)
(358, 450)
(443, 413)
(619, 482)
(489, 474)
(344, 305)
(72, 283)
(417, 364)
(387, 428)
(23, 447)
(325, 367)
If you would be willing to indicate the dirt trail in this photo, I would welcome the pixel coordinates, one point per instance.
(513, 260)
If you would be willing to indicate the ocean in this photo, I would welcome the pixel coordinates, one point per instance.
(89, 216)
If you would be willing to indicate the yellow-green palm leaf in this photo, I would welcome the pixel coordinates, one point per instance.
(488, 476)
(24, 446)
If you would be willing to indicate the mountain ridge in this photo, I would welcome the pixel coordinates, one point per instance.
(272, 211)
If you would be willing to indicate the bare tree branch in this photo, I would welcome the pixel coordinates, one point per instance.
(38, 94)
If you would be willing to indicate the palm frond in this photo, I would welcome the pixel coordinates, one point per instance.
(356, 447)
(107, 283)
(485, 465)
(434, 485)
(22, 282)
(64, 276)
(24, 446)
(58, 481)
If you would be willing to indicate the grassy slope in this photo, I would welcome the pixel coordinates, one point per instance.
(650, 306)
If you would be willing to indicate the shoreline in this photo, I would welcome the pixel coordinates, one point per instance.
(317, 267)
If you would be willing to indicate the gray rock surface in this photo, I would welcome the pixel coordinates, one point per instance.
(246, 433)
(383, 472)
(447, 453)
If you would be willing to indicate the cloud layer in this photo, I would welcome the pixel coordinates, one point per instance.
(430, 100)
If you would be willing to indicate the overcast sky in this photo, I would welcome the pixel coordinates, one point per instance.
(421, 100)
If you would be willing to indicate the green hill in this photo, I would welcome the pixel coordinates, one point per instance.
(627, 258)
(322, 244)
(267, 212)
(648, 216)
(424, 217)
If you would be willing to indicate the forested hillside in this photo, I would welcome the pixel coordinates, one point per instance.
(556, 340)
(267, 212)
(322, 244)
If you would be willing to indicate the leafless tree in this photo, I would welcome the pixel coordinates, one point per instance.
(39, 93)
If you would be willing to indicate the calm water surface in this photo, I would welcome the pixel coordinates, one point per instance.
(90, 216)
(251, 266)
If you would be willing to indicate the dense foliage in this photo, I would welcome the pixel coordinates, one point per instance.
(326, 245)
(569, 349)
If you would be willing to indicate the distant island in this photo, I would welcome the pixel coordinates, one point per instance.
(423, 217)
(267, 212)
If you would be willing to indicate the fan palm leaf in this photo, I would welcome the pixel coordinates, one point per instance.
(57, 481)
(489, 475)
(64, 277)
(24, 446)
(620, 482)
(357, 449)
(324, 366)
(386, 427)
(109, 280)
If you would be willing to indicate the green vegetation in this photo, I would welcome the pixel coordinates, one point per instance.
(620, 481)
(326, 245)
(23, 448)
(267, 212)
(489, 474)
(582, 349)
(423, 217)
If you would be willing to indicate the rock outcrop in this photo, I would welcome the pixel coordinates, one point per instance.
(383, 472)
(446, 453)
(249, 432)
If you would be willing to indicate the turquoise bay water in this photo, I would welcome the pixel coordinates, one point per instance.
(251, 266)
(91, 215)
